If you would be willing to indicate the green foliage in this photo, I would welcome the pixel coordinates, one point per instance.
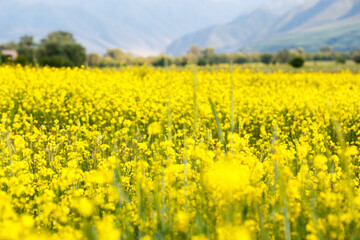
(195, 50)
(356, 57)
(201, 62)
(297, 62)
(4, 59)
(56, 61)
(266, 58)
(75, 53)
(181, 61)
(116, 54)
(240, 59)
(60, 49)
(220, 58)
(22, 60)
(27, 48)
(9, 46)
(93, 59)
(59, 37)
(340, 59)
(207, 57)
(207, 53)
(283, 56)
(162, 61)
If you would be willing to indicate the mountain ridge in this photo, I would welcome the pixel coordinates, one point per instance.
(306, 17)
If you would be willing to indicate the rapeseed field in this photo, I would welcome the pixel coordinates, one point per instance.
(147, 153)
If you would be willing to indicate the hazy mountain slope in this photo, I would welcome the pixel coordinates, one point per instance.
(335, 20)
(229, 37)
(314, 13)
(141, 26)
(324, 22)
(341, 36)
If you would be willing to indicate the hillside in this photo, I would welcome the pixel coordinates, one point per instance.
(140, 26)
(226, 38)
(342, 36)
(310, 25)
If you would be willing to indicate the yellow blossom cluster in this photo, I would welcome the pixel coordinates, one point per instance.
(147, 153)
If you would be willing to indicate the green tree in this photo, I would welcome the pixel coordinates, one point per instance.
(181, 61)
(75, 53)
(61, 45)
(207, 55)
(266, 58)
(221, 58)
(117, 55)
(240, 59)
(59, 37)
(283, 56)
(9, 46)
(195, 50)
(22, 60)
(297, 62)
(93, 59)
(27, 49)
(356, 56)
(56, 61)
(162, 61)
(340, 59)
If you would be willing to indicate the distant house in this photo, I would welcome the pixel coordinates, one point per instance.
(10, 53)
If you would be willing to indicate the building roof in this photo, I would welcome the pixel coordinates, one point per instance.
(11, 53)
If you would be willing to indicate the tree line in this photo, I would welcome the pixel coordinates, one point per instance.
(59, 49)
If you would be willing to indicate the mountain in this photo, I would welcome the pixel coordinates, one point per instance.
(141, 26)
(312, 24)
(229, 37)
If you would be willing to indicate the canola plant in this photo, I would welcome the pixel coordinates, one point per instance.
(146, 153)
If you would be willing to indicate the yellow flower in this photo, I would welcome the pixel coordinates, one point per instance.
(181, 221)
(154, 128)
(85, 207)
(233, 232)
(227, 179)
(27, 221)
(106, 229)
(19, 143)
(199, 237)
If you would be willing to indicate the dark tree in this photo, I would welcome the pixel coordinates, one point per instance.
(297, 62)
(208, 55)
(61, 45)
(27, 49)
(75, 53)
(22, 60)
(356, 56)
(162, 61)
(266, 58)
(56, 61)
(240, 59)
(340, 59)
